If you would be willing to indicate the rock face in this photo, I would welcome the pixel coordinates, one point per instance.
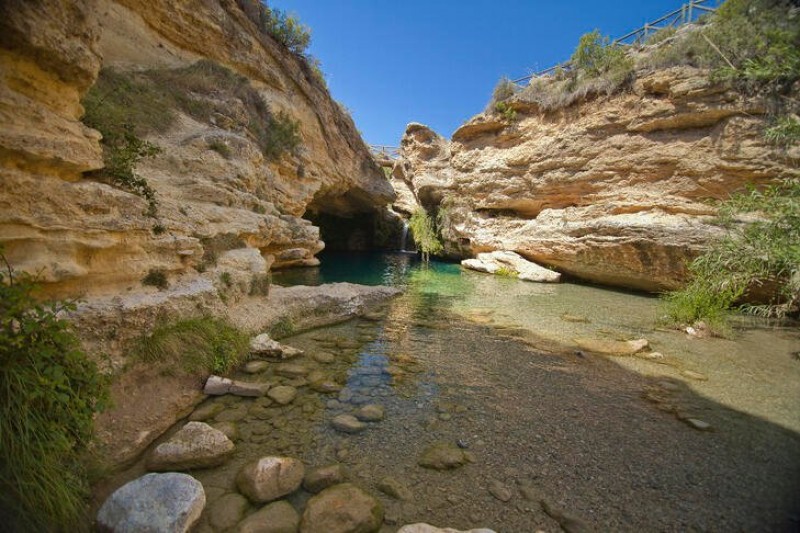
(76, 231)
(270, 478)
(154, 502)
(195, 445)
(612, 189)
(342, 508)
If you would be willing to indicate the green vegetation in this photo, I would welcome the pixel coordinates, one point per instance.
(124, 106)
(754, 42)
(284, 28)
(784, 132)
(260, 284)
(762, 254)
(505, 109)
(424, 234)
(504, 90)
(49, 393)
(197, 345)
(596, 67)
(112, 108)
(221, 148)
(507, 272)
(225, 279)
(282, 328)
(156, 278)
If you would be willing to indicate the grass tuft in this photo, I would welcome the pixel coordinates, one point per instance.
(196, 345)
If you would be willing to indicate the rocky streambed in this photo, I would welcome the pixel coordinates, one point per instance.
(428, 414)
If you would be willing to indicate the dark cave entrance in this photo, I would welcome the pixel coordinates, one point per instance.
(375, 230)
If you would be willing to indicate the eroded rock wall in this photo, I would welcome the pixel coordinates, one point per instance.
(85, 237)
(618, 190)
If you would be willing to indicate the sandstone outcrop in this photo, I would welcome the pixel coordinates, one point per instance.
(615, 189)
(85, 237)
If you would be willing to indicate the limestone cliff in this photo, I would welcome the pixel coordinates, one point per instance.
(617, 190)
(83, 236)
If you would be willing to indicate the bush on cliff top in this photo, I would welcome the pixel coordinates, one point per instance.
(49, 393)
(284, 28)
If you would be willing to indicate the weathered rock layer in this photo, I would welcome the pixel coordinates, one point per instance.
(87, 237)
(617, 190)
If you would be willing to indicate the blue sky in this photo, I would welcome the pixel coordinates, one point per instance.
(437, 61)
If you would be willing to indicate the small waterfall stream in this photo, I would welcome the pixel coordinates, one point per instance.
(404, 238)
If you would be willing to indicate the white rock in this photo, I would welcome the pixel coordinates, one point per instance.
(154, 502)
(217, 386)
(264, 346)
(195, 445)
(492, 262)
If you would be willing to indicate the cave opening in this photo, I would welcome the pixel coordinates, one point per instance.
(362, 232)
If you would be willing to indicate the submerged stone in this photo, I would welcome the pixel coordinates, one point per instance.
(443, 456)
(270, 478)
(342, 508)
(276, 517)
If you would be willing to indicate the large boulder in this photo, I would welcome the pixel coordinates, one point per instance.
(195, 445)
(342, 508)
(169, 502)
(270, 478)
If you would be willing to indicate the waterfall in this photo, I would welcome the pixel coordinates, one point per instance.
(404, 238)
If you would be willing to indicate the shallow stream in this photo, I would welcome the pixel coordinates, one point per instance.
(491, 364)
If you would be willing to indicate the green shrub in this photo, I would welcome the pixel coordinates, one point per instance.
(286, 29)
(282, 328)
(504, 90)
(197, 345)
(260, 284)
(661, 35)
(508, 112)
(49, 393)
(784, 132)
(424, 234)
(225, 279)
(221, 148)
(596, 56)
(156, 278)
(765, 251)
(507, 272)
(280, 134)
(755, 42)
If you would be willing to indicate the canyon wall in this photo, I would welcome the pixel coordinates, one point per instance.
(83, 236)
(619, 190)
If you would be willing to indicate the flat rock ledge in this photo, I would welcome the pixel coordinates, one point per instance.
(154, 502)
(613, 347)
(427, 528)
(217, 386)
(195, 445)
(511, 264)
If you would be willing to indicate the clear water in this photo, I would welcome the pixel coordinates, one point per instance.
(491, 363)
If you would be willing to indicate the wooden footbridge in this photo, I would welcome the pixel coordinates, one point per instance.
(687, 13)
(385, 156)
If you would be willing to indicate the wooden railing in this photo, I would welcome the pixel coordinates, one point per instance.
(687, 13)
(380, 151)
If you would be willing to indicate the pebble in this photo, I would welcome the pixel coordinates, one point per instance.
(370, 413)
(282, 394)
(500, 491)
(348, 424)
(698, 424)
